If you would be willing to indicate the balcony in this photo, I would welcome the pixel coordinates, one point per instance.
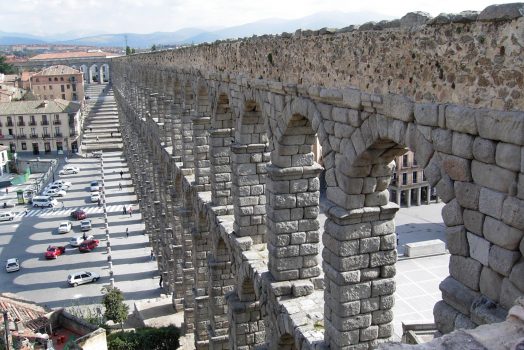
(34, 136)
(44, 122)
(21, 136)
(10, 124)
(21, 123)
(46, 136)
(32, 123)
(73, 134)
(58, 134)
(57, 122)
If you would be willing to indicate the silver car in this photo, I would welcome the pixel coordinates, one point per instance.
(82, 277)
(12, 265)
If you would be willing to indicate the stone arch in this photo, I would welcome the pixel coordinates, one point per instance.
(85, 71)
(104, 73)
(249, 159)
(94, 73)
(221, 136)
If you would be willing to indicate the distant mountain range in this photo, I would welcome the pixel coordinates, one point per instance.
(196, 35)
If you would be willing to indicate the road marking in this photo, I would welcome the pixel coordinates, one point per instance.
(67, 211)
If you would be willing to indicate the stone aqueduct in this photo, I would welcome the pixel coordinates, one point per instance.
(219, 141)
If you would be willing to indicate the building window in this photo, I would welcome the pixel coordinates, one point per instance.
(63, 97)
(46, 132)
(50, 79)
(37, 80)
(74, 97)
(68, 87)
(61, 78)
(45, 87)
(57, 131)
(405, 161)
(415, 177)
(32, 120)
(404, 178)
(62, 88)
(423, 176)
(33, 131)
(59, 146)
(50, 87)
(56, 79)
(21, 131)
(10, 132)
(74, 87)
(24, 146)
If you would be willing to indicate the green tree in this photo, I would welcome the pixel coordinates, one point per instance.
(128, 51)
(153, 48)
(5, 67)
(133, 50)
(116, 309)
(164, 338)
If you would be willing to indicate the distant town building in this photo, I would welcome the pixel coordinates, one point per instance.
(409, 185)
(40, 126)
(58, 82)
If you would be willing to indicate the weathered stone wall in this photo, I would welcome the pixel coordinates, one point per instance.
(258, 228)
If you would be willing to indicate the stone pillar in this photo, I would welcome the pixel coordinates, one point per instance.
(408, 198)
(249, 178)
(201, 153)
(201, 247)
(247, 328)
(168, 120)
(359, 265)
(220, 157)
(293, 196)
(188, 157)
(428, 195)
(398, 193)
(419, 196)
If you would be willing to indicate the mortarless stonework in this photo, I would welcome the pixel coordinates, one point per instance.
(219, 140)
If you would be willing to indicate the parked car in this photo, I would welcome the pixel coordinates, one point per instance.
(64, 227)
(7, 216)
(69, 169)
(95, 196)
(94, 186)
(64, 185)
(88, 245)
(79, 214)
(82, 277)
(54, 193)
(53, 252)
(12, 265)
(85, 225)
(96, 154)
(76, 241)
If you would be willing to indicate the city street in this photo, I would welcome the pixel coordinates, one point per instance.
(28, 235)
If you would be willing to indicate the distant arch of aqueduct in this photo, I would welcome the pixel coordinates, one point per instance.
(219, 140)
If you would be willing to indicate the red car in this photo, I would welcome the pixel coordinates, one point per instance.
(79, 214)
(53, 252)
(89, 245)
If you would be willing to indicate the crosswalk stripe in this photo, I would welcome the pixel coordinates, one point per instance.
(67, 212)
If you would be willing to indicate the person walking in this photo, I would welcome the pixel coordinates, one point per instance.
(97, 139)
(161, 280)
(152, 257)
(121, 174)
(120, 186)
(124, 210)
(99, 202)
(130, 211)
(7, 190)
(127, 232)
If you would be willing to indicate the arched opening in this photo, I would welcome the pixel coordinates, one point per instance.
(249, 158)
(94, 74)
(85, 71)
(104, 73)
(286, 342)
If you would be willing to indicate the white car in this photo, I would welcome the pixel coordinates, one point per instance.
(96, 154)
(63, 184)
(54, 193)
(64, 227)
(85, 225)
(95, 196)
(76, 241)
(95, 187)
(7, 216)
(12, 265)
(69, 169)
(82, 277)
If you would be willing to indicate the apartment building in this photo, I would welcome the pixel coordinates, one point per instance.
(409, 185)
(40, 127)
(58, 82)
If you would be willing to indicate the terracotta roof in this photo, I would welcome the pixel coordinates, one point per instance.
(58, 70)
(30, 314)
(38, 107)
(64, 55)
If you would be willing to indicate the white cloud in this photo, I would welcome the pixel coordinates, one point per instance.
(145, 16)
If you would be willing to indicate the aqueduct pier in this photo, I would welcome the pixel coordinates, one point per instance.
(219, 140)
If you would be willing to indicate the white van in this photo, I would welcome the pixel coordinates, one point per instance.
(44, 201)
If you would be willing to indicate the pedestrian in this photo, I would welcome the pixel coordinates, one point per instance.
(127, 232)
(111, 134)
(26, 211)
(84, 236)
(152, 255)
(120, 186)
(90, 129)
(124, 210)
(66, 159)
(7, 190)
(161, 280)
(97, 139)
(99, 202)
(121, 174)
(130, 211)
(63, 205)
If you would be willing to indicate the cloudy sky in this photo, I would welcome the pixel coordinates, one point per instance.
(44, 17)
